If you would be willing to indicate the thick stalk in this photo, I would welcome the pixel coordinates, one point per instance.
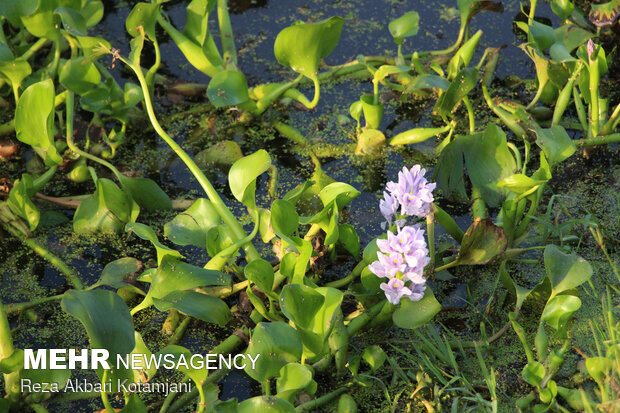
(470, 115)
(6, 349)
(315, 404)
(478, 207)
(150, 75)
(221, 208)
(448, 223)
(598, 140)
(34, 48)
(349, 278)
(430, 233)
(594, 84)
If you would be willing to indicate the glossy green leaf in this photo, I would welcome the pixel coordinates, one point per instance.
(543, 35)
(404, 26)
(355, 110)
(565, 271)
(293, 378)
(243, 174)
(284, 218)
(107, 210)
(105, 317)
(386, 70)
(558, 311)
(417, 135)
(222, 154)
(92, 12)
(462, 84)
(300, 304)
(556, 144)
(34, 120)
(261, 273)
(147, 194)
(265, 404)
(349, 239)
(13, 70)
(413, 314)
(201, 306)
(562, 8)
(598, 368)
(13, 10)
(228, 88)
(20, 203)
(463, 56)
(278, 344)
(370, 142)
(191, 226)
(533, 373)
(118, 272)
(303, 45)
(72, 21)
(197, 375)
(148, 234)
(482, 242)
(450, 168)
(340, 192)
(79, 75)
(142, 15)
(374, 356)
(346, 404)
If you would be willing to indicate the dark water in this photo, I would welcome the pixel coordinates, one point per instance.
(256, 24)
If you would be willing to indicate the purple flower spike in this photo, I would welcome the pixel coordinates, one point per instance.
(417, 292)
(590, 48)
(388, 265)
(388, 206)
(394, 290)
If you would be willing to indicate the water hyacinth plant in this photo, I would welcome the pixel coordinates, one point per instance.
(184, 196)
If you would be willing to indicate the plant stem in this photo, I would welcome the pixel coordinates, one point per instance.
(448, 223)
(349, 278)
(364, 318)
(221, 208)
(430, 233)
(470, 114)
(226, 34)
(598, 140)
(6, 349)
(478, 207)
(34, 48)
(150, 75)
(180, 331)
(104, 395)
(316, 403)
(266, 387)
(17, 307)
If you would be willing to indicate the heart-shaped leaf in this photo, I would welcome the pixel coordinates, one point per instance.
(404, 26)
(191, 226)
(34, 120)
(482, 242)
(260, 272)
(559, 310)
(265, 404)
(565, 271)
(556, 144)
(274, 344)
(116, 273)
(293, 378)
(201, 306)
(228, 88)
(105, 317)
(147, 194)
(243, 174)
(303, 45)
(79, 75)
(148, 234)
(413, 314)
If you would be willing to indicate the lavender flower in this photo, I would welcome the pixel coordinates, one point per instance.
(402, 259)
(394, 290)
(412, 193)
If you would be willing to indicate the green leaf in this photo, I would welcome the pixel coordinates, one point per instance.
(556, 144)
(134, 405)
(387, 70)
(144, 15)
(201, 306)
(174, 275)
(265, 404)
(278, 344)
(558, 311)
(598, 368)
(404, 26)
(260, 272)
(34, 120)
(148, 234)
(413, 314)
(300, 304)
(349, 239)
(370, 142)
(20, 203)
(60, 377)
(562, 8)
(243, 174)
(482, 242)
(340, 192)
(146, 193)
(462, 84)
(13, 70)
(489, 161)
(92, 12)
(105, 317)
(79, 75)
(417, 135)
(565, 271)
(284, 218)
(191, 226)
(450, 169)
(228, 88)
(116, 273)
(107, 210)
(293, 378)
(13, 10)
(355, 110)
(533, 373)
(374, 356)
(303, 45)
(197, 21)
(463, 56)
(543, 35)
(197, 375)
(222, 154)
(72, 21)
